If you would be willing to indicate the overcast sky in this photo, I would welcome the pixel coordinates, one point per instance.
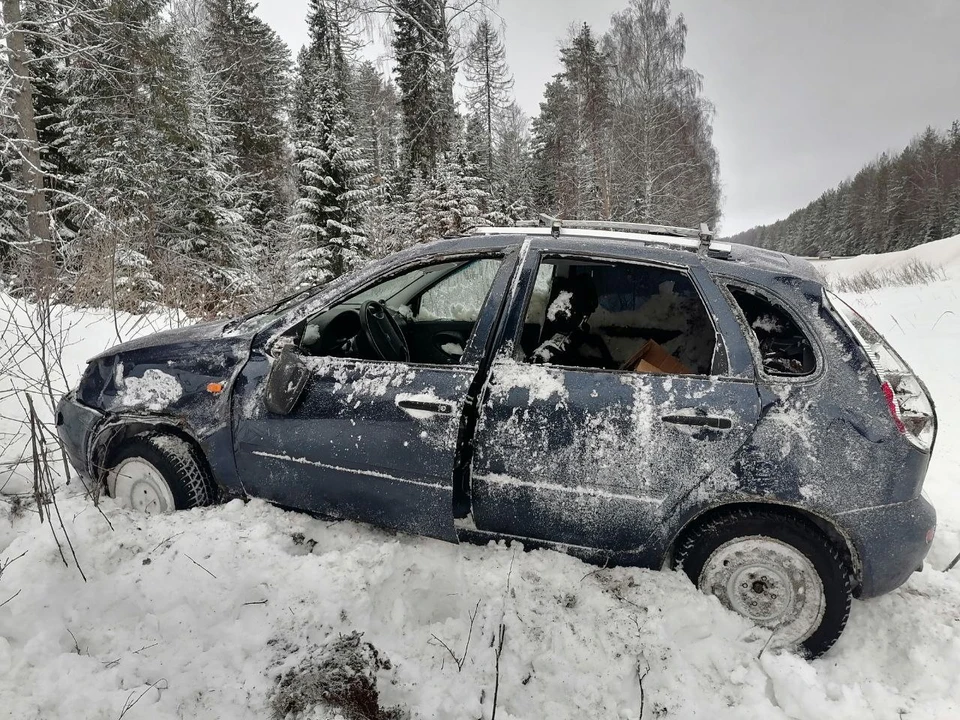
(806, 91)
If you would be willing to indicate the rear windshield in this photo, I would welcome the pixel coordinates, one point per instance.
(784, 349)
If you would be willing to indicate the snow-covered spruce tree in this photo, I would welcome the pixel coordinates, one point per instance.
(373, 102)
(425, 75)
(552, 149)
(113, 133)
(333, 176)
(12, 209)
(572, 134)
(453, 201)
(214, 246)
(46, 23)
(129, 128)
(513, 187)
(250, 65)
(488, 88)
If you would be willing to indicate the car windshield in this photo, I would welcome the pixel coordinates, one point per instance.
(269, 313)
(387, 290)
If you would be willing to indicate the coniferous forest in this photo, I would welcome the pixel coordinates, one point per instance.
(894, 203)
(178, 152)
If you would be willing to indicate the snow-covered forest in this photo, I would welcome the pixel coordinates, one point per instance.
(175, 152)
(894, 203)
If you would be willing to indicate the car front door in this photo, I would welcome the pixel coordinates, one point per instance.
(593, 456)
(373, 440)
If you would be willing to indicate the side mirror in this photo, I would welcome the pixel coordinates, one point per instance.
(286, 382)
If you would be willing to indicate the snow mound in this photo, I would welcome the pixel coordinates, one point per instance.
(205, 612)
(943, 254)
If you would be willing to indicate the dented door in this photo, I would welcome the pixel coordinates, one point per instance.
(597, 458)
(369, 441)
(372, 441)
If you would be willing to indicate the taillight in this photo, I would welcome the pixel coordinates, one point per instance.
(891, 397)
(910, 406)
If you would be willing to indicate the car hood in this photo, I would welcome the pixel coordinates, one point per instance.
(216, 330)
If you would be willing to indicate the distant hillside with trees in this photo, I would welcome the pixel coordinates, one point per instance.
(894, 203)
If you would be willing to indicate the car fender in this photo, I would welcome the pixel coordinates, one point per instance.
(183, 388)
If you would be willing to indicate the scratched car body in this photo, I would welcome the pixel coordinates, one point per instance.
(619, 396)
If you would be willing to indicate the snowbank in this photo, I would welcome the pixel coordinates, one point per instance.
(205, 607)
(943, 254)
(196, 614)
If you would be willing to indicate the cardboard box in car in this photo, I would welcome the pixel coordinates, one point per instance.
(652, 358)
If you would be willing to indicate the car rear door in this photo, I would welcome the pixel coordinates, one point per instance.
(372, 441)
(597, 457)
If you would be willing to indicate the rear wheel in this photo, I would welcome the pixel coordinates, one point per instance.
(159, 473)
(776, 570)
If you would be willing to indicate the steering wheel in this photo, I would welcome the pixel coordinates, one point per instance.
(383, 332)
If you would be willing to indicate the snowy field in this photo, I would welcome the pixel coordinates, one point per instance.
(196, 615)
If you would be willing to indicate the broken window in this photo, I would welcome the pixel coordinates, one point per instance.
(784, 349)
(617, 316)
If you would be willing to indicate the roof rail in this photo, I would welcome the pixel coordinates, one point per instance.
(652, 229)
(699, 241)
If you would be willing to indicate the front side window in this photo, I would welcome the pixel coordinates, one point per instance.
(460, 295)
(424, 316)
(617, 316)
(784, 349)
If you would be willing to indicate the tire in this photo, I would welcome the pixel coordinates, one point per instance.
(775, 569)
(159, 473)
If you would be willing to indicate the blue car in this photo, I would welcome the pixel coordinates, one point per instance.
(634, 395)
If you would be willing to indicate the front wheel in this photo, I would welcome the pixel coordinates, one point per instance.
(158, 473)
(778, 571)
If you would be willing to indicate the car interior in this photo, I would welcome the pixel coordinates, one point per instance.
(784, 349)
(423, 316)
(583, 314)
(618, 316)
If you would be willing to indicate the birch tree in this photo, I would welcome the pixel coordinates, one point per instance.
(667, 165)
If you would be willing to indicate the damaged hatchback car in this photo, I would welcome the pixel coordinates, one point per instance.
(637, 395)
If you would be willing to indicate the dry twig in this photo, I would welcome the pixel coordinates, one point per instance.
(463, 658)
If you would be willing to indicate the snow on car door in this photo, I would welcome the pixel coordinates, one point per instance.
(596, 456)
(369, 441)
(372, 440)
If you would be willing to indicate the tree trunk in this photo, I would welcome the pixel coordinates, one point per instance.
(41, 266)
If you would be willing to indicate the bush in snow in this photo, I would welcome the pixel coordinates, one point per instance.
(916, 272)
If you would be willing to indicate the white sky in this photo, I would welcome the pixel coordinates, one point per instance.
(806, 92)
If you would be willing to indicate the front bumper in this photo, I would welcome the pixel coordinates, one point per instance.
(75, 426)
(892, 541)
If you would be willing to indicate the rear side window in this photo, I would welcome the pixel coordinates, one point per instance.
(609, 315)
(784, 349)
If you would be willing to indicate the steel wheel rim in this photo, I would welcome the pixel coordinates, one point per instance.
(137, 485)
(770, 583)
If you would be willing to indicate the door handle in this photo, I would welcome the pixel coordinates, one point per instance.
(709, 421)
(435, 407)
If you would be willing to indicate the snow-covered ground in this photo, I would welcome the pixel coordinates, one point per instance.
(195, 615)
